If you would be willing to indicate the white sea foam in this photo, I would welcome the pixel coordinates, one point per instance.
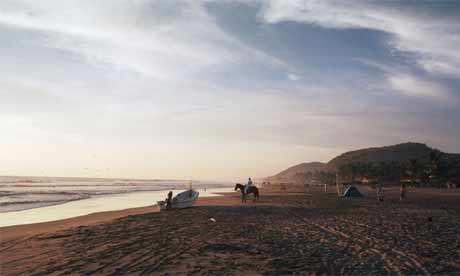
(22, 193)
(93, 205)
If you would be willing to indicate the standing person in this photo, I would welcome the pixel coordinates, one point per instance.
(402, 190)
(246, 188)
(190, 191)
(380, 193)
(169, 200)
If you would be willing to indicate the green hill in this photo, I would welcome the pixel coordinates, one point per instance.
(399, 154)
(300, 168)
(396, 153)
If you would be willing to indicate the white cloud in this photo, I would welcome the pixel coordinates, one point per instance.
(161, 39)
(399, 79)
(413, 86)
(293, 77)
(120, 77)
(434, 39)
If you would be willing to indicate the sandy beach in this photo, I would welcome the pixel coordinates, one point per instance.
(130, 129)
(283, 233)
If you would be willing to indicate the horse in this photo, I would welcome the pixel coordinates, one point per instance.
(251, 190)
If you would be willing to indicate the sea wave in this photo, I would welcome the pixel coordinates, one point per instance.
(20, 195)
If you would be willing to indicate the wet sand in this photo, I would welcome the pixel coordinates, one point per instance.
(283, 233)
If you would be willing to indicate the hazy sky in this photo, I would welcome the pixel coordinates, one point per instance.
(220, 89)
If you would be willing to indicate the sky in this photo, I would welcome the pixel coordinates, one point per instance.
(220, 89)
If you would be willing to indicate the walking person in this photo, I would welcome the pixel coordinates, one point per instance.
(380, 195)
(402, 192)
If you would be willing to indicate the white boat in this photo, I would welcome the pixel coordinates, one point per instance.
(184, 199)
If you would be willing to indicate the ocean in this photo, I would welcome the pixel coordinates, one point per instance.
(38, 199)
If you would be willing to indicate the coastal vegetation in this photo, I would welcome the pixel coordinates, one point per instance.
(412, 163)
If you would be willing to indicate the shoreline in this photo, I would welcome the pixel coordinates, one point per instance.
(93, 196)
(15, 231)
(283, 233)
(96, 204)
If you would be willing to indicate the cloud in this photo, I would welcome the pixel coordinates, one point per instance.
(160, 39)
(152, 80)
(398, 78)
(124, 35)
(414, 86)
(293, 77)
(433, 38)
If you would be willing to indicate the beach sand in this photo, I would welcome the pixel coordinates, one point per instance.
(283, 233)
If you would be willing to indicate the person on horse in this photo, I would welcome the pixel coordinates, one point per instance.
(246, 188)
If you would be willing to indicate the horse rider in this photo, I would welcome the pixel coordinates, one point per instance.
(246, 188)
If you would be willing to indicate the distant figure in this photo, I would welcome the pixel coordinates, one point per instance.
(169, 200)
(380, 195)
(247, 186)
(325, 187)
(402, 190)
(205, 189)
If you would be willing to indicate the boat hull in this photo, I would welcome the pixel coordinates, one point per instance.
(183, 200)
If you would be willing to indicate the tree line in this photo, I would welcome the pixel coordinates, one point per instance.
(435, 171)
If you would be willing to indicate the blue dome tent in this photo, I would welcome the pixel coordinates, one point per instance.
(352, 191)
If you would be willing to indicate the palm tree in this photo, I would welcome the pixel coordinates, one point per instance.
(367, 170)
(434, 169)
(373, 171)
(344, 170)
(361, 170)
(416, 171)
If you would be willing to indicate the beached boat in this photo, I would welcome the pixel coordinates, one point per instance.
(184, 199)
